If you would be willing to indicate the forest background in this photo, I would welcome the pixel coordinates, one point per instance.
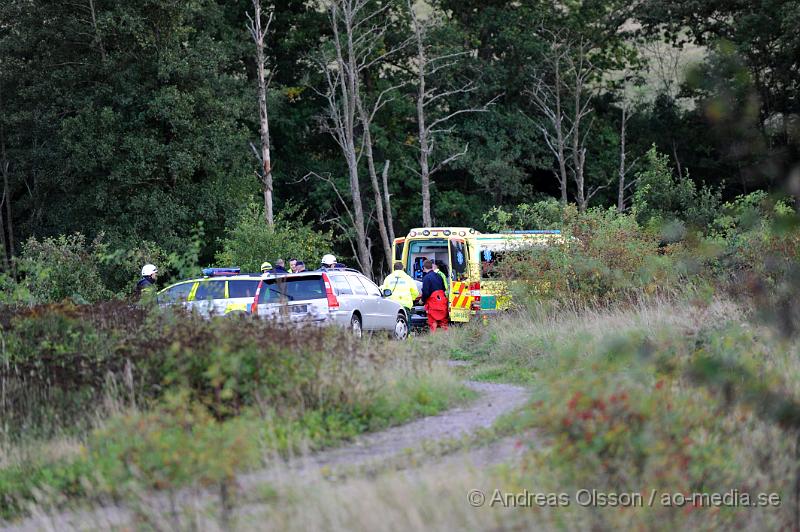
(131, 131)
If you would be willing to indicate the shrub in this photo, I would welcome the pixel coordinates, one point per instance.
(250, 242)
(63, 267)
(545, 214)
(604, 255)
(661, 198)
(175, 444)
(120, 268)
(60, 361)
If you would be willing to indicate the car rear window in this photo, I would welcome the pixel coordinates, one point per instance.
(210, 290)
(242, 288)
(292, 289)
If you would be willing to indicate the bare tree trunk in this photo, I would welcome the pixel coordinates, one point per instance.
(578, 150)
(677, 160)
(387, 200)
(622, 155)
(376, 188)
(98, 41)
(560, 141)
(549, 102)
(424, 149)
(344, 100)
(564, 130)
(258, 32)
(5, 198)
(430, 128)
(7, 243)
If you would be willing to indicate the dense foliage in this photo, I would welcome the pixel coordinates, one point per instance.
(135, 120)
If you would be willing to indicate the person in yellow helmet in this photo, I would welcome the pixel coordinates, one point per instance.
(266, 266)
(404, 289)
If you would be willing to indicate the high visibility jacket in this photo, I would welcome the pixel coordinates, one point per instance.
(404, 289)
(445, 281)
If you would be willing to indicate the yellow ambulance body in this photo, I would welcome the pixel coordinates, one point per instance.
(476, 286)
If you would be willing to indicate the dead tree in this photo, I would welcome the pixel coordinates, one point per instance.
(562, 95)
(427, 98)
(357, 47)
(383, 211)
(623, 170)
(387, 200)
(5, 200)
(258, 31)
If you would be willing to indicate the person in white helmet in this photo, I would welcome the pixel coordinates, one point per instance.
(147, 284)
(329, 261)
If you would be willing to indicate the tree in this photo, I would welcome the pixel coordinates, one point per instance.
(358, 45)
(763, 33)
(562, 95)
(258, 31)
(129, 118)
(427, 64)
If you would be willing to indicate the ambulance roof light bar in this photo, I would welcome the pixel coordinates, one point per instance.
(533, 232)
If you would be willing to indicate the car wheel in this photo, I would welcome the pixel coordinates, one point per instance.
(400, 328)
(355, 326)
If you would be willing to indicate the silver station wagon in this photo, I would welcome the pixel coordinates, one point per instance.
(339, 296)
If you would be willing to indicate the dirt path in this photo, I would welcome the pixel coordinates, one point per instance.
(372, 449)
(369, 450)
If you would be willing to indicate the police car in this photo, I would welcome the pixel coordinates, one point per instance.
(219, 292)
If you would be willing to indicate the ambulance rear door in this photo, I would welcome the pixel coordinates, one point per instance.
(460, 298)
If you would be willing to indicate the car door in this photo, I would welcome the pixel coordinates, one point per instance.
(381, 311)
(361, 301)
(348, 301)
(240, 294)
(460, 296)
(387, 308)
(207, 296)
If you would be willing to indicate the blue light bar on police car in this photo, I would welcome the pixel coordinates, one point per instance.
(534, 232)
(216, 272)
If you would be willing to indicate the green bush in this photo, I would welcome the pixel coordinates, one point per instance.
(65, 267)
(120, 268)
(250, 242)
(191, 400)
(60, 361)
(603, 255)
(545, 214)
(177, 443)
(660, 198)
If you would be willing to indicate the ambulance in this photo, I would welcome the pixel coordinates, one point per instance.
(477, 288)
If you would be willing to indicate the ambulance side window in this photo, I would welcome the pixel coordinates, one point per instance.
(458, 256)
(489, 263)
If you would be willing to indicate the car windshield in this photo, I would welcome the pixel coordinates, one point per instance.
(292, 289)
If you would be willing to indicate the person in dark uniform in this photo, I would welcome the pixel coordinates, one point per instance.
(147, 284)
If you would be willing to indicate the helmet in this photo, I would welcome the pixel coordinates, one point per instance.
(148, 270)
(329, 260)
(266, 266)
